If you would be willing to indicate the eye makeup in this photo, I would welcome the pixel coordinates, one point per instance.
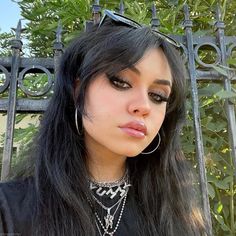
(119, 83)
(157, 95)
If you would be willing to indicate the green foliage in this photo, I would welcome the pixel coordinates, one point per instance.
(218, 160)
(5, 43)
(36, 83)
(43, 17)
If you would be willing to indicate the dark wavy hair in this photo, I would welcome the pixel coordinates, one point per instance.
(162, 181)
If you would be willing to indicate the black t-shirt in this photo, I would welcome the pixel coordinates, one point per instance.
(17, 207)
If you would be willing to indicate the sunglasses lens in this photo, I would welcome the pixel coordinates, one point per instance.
(129, 22)
(167, 38)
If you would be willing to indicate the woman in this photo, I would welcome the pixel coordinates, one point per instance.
(107, 160)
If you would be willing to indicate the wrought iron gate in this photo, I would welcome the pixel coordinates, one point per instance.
(15, 68)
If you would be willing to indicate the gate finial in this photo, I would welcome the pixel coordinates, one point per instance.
(59, 32)
(58, 45)
(187, 21)
(219, 23)
(17, 43)
(96, 12)
(155, 23)
(18, 30)
(121, 8)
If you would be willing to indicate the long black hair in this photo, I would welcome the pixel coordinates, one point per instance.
(162, 181)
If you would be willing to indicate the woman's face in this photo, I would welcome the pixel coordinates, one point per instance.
(126, 111)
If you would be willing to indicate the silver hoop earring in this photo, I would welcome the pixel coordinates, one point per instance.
(76, 121)
(159, 141)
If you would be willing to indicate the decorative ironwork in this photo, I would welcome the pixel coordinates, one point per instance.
(196, 117)
(155, 23)
(25, 89)
(7, 79)
(121, 8)
(200, 62)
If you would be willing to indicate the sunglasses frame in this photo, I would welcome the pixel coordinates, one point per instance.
(129, 22)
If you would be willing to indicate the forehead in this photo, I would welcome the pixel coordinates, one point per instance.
(154, 63)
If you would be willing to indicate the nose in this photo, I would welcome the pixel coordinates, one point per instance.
(139, 105)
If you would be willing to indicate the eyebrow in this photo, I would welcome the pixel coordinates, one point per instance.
(163, 82)
(157, 81)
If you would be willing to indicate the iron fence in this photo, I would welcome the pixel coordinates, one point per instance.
(15, 69)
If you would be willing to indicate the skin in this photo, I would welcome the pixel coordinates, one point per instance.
(110, 105)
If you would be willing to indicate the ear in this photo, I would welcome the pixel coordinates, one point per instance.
(76, 87)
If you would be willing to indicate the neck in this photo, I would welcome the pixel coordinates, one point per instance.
(105, 166)
(103, 169)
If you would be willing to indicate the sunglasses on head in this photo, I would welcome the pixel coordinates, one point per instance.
(131, 23)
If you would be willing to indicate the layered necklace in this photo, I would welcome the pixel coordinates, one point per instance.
(109, 203)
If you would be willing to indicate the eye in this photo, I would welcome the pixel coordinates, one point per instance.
(158, 97)
(119, 83)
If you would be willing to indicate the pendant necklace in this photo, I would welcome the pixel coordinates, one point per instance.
(108, 225)
(105, 224)
(108, 218)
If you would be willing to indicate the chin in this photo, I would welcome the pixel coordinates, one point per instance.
(132, 154)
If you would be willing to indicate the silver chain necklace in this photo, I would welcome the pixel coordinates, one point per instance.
(108, 208)
(111, 184)
(111, 191)
(109, 221)
(114, 188)
(120, 186)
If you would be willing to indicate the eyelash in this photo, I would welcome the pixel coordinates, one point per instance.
(122, 84)
(119, 83)
(158, 98)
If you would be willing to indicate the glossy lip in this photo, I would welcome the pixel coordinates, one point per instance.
(135, 129)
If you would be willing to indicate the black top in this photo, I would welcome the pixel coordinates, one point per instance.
(17, 204)
(16, 207)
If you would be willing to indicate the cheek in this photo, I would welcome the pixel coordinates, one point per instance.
(101, 108)
(102, 102)
(158, 117)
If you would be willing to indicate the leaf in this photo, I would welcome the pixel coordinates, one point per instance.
(226, 68)
(199, 33)
(211, 178)
(216, 126)
(211, 190)
(219, 207)
(205, 121)
(209, 90)
(207, 102)
(223, 94)
(228, 179)
(221, 185)
(231, 61)
(220, 70)
(220, 219)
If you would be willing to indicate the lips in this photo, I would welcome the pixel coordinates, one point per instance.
(135, 129)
